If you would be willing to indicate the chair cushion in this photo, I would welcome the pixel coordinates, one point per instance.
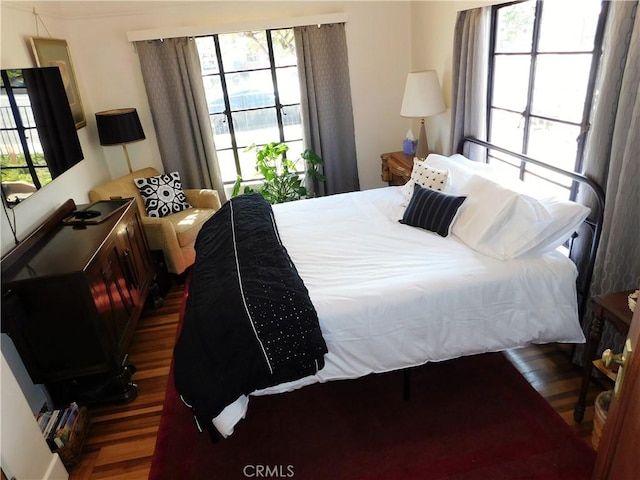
(162, 194)
(187, 223)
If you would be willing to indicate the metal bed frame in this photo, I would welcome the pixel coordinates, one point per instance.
(591, 230)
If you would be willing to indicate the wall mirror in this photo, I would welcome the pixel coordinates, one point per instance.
(39, 140)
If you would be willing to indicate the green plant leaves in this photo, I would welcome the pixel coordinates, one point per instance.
(281, 183)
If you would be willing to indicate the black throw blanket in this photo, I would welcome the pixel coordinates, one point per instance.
(249, 321)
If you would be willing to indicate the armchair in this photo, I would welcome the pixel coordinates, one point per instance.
(174, 234)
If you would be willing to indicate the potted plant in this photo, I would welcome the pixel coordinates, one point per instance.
(282, 182)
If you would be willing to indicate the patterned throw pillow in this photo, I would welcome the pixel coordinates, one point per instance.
(162, 195)
(425, 176)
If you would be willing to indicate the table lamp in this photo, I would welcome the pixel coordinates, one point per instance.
(119, 127)
(422, 98)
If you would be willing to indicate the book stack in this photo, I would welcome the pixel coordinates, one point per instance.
(56, 426)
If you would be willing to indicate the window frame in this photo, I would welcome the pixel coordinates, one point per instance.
(228, 112)
(527, 115)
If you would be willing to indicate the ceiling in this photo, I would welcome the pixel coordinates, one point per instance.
(88, 8)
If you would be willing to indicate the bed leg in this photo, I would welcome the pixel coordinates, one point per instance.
(406, 384)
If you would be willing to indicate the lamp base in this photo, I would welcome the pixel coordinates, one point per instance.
(422, 150)
(126, 154)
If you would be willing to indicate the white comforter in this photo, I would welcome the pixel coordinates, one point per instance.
(389, 296)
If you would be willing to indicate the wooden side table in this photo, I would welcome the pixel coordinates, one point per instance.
(396, 167)
(610, 307)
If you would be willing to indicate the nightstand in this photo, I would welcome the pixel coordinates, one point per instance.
(610, 307)
(396, 167)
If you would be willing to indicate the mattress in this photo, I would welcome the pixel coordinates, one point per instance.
(390, 296)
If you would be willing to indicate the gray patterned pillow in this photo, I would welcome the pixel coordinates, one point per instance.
(162, 195)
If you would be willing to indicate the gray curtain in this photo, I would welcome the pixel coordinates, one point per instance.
(469, 79)
(323, 68)
(172, 78)
(612, 158)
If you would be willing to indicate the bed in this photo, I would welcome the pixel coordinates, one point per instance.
(367, 282)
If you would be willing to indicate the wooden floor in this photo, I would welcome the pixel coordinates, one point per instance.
(122, 437)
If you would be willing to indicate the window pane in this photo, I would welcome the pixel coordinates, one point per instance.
(250, 90)
(23, 103)
(16, 174)
(510, 81)
(213, 92)
(284, 47)
(515, 27)
(288, 85)
(506, 166)
(37, 156)
(220, 127)
(256, 126)
(295, 151)
(554, 143)
(227, 165)
(9, 145)
(291, 117)
(44, 175)
(244, 51)
(35, 146)
(544, 187)
(6, 116)
(560, 86)
(559, 35)
(248, 164)
(207, 52)
(507, 130)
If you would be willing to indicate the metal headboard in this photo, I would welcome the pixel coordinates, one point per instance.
(585, 257)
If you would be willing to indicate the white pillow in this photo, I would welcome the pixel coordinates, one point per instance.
(460, 169)
(497, 221)
(566, 217)
(425, 176)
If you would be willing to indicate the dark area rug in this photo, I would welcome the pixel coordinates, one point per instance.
(470, 418)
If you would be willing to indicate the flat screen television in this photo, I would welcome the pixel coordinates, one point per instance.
(39, 137)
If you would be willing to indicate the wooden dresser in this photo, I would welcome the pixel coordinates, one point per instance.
(396, 167)
(72, 296)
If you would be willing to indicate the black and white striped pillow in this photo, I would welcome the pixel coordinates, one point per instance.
(432, 210)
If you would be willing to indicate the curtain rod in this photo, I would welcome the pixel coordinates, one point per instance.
(270, 24)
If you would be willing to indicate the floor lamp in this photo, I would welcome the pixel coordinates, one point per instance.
(119, 127)
(422, 98)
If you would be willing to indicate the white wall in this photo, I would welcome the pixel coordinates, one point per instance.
(432, 29)
(108, 76)
(17, 26)
(24, 453)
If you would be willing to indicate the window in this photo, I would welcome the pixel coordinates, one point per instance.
(253, 93)
(543, 62)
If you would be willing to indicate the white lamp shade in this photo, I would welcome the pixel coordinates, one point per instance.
(422, 95)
